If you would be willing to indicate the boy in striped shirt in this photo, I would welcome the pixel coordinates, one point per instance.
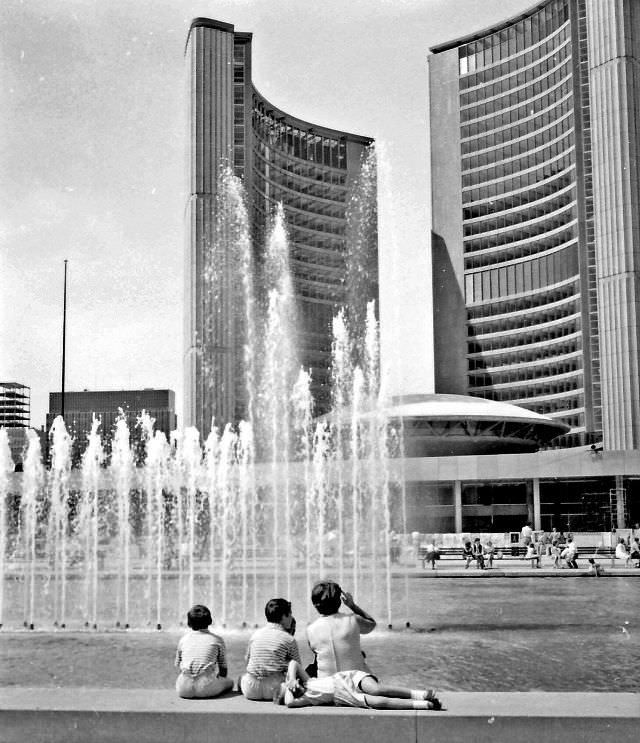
(199, 653)
(270, 649)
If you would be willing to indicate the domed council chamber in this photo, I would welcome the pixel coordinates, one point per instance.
(451, 425)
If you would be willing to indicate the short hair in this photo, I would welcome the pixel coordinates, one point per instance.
(326, 596)
(275, 609)
(199, 617)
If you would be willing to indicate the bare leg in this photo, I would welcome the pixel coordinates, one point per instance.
(376, 702)
(374, 688)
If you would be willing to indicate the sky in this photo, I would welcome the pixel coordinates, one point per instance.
(92, 168)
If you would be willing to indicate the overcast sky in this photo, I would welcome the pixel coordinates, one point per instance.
(92, 167)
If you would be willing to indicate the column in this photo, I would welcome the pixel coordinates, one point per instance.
(457, 503)
(536, 504)
(621, 522)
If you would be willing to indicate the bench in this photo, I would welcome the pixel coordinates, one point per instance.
(518, 552)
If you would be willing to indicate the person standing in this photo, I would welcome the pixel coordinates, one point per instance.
(334, 637)
(525, 534)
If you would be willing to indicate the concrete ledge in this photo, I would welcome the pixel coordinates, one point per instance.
(79, 715)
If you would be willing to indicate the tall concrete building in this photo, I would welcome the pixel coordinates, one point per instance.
(536, 208)
(315, 172)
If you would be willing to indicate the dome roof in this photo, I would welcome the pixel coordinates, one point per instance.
(448, 425)
(460, 407)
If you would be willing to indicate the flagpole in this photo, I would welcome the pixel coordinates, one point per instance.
(64, 336)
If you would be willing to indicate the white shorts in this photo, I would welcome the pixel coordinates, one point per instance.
(343, 688)
(260, 688)
(202, 686)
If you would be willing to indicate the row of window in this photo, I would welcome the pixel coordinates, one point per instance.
(487, 251)
(528, 373)
(514, 39)
(270, 172)
(527, 395)
(520, 146)
(306, 145)
(550, 100)
(516, 278)
(529, 336)
(329, 261)
(516, 200)
(524, 356)
(327, 285)
(515, 314)
(306, 204)
(551, 406)
(526, 162)
(511, 219)
(521, 76)
(522, 129)
(520, 182)
(521, 95)
(312, 172)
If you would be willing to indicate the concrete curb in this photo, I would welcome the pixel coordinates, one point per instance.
(79, 715)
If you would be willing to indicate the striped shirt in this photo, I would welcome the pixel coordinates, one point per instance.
(200, 649)
(270, 650)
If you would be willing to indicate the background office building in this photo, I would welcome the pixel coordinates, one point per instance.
(316, 173)
(80, 408)
(536, 204)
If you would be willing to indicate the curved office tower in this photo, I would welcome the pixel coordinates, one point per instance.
(535, 202)
(315, 172)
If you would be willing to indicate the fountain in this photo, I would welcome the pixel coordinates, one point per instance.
(265, 508)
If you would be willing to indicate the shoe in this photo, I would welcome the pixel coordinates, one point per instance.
(434, 703)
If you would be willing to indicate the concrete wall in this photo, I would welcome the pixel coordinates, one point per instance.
(158, 716)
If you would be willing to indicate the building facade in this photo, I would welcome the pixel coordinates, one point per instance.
(314, 172)
(80, 409)
(536, 204)
(15, 417)
(15, 405)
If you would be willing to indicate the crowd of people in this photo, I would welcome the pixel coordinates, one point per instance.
(554, 547)
(339, 674)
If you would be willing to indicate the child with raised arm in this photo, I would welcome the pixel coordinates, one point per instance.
(199, 654)
(334, 637)
(350, 689)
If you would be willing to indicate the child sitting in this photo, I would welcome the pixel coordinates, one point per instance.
(198, 654)
(478, 553)
(349, 689)
(532, 555)
(595, 568)
(269, 651)
(467, 553)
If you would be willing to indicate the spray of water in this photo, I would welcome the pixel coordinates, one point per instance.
(6, 468)
(271, 504)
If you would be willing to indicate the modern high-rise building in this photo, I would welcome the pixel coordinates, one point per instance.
(315, 172)
(536, 215)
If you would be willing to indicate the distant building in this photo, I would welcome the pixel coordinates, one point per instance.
(535, 155)
(15, 405)
(15, 416)
(80, 408)
(314, 171)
